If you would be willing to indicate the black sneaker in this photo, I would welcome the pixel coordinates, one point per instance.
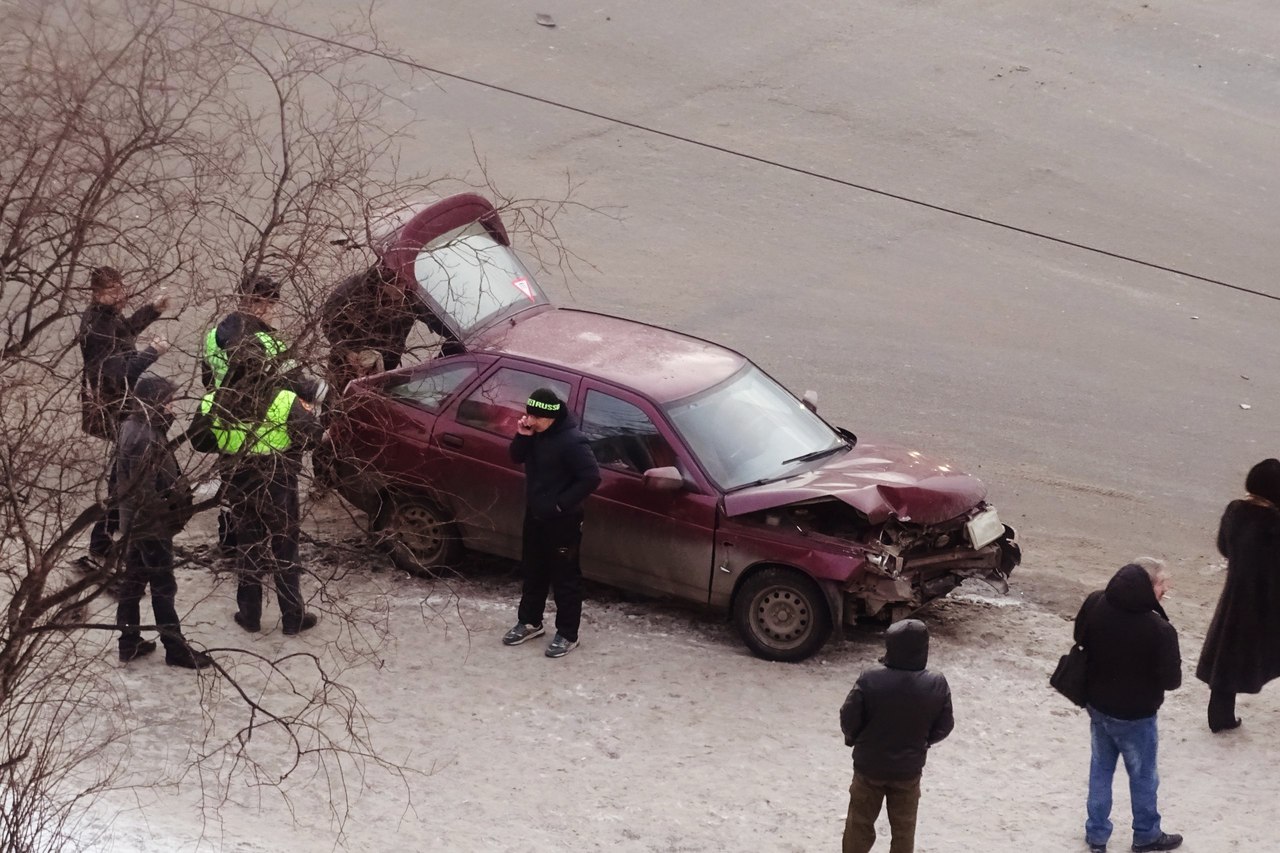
(309, 621)
(522, 633)
(244, 622)
(140, 649)
(559, 646)
(1097, 848)
(1166, 841)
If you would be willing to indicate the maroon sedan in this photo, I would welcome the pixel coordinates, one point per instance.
(719, 486)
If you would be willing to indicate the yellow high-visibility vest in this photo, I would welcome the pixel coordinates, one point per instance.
(218, 360)
(270, 436)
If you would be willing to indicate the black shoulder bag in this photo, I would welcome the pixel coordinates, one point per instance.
(1069, 678)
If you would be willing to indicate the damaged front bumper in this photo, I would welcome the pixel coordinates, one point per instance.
(906, 574)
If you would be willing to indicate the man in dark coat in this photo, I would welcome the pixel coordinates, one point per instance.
(560, 473)
(1242, 649)
(1133, 659)
(154, 500)
(371, 311)
(891, 717)
(112, 364)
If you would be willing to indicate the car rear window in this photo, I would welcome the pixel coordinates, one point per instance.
(432, 388)
(474, 279)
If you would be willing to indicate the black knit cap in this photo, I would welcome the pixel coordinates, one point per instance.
(260, 287)
(1264, 480)
(543, 403)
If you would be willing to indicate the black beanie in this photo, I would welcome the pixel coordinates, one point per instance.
(260, 287)
(543, 403)
(1264, 480)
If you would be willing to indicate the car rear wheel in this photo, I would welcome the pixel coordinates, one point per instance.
(422, 537)
(782, 615)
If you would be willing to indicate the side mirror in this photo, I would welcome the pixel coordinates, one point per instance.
(666, 479)
(810, 400)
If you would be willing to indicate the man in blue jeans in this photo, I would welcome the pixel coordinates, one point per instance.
(1133, 659)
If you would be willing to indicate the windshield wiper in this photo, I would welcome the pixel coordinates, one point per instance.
(817, 454)
(752, 484)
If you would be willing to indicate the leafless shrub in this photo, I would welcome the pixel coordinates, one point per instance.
(187, 148)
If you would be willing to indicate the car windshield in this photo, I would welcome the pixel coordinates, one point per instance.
(751, 429)
(474, 279)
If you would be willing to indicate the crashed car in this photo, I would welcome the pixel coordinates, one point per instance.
(719, 486)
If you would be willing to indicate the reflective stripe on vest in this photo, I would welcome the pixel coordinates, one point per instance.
(218, 361)
(270, 436)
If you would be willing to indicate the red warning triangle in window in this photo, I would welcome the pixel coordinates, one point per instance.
(522, 285)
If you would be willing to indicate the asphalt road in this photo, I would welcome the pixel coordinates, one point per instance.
(1098, 396)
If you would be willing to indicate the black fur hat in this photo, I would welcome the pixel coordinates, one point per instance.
(1264, 480)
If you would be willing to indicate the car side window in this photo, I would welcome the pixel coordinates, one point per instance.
(622, 436)
(431, 389)
(500, 400)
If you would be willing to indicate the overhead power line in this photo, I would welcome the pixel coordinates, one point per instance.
(755, 158)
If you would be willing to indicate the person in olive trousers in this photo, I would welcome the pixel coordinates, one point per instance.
(891, 717)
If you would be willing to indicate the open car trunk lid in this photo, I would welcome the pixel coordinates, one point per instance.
(455, 256)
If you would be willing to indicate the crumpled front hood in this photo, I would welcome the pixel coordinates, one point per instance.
(878, 480)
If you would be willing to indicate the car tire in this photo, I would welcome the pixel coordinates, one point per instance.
(782, 615)
(422, 538)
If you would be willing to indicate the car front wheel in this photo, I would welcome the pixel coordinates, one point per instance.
(782, 615)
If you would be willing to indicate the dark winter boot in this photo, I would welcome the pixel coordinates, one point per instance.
(244, 622)
(309, 621)
(186, 657)
(134, 649)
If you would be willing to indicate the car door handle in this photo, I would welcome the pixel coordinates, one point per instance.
(451, 440)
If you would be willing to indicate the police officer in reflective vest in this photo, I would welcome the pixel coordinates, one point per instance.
(262, 430)
(259, 299)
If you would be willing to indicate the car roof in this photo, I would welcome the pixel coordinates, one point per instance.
(659, 363)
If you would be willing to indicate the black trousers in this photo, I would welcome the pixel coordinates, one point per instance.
(149, 562)
(105, 527)
(549, 554)
(264, 514)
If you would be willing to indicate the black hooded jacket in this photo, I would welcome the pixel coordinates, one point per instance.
(560, 469)
(1132, 649)
(895, 712)
(153, 496)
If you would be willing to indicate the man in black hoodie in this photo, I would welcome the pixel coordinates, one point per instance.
(154, 501)
(891, 717)
(560, 472)
(1133, 659)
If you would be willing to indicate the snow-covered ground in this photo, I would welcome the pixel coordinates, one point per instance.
(661, 733)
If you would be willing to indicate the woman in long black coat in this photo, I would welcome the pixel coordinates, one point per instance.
(1242, 649)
